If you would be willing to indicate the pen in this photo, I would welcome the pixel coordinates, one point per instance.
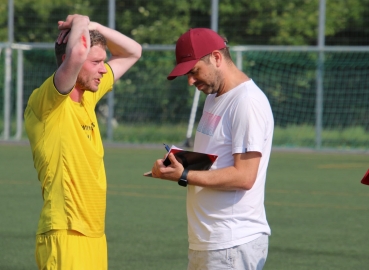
(166, 147)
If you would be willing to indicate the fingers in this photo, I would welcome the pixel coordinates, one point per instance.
(62, 25)
(171, 172)
(63, 36)
(173, 159)
(159, 170)
(67, 24)
(155, 171)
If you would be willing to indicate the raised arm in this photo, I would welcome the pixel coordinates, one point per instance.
(74, 31)
(124, 50)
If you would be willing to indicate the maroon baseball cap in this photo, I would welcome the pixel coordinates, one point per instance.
(365, 179)
(193, 45)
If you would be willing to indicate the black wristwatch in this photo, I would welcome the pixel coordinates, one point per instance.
(183, 180)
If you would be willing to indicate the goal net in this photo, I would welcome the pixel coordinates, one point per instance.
(289, 79)
(147, 106)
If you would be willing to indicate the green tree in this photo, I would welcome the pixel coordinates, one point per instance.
(36, 20)
(293, 22)
(243, 22)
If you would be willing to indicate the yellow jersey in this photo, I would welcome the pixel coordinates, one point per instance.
(68, 156)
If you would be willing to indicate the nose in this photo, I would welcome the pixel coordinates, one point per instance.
(102, 68)
(191, 80)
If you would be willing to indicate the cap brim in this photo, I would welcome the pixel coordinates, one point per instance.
(182, 69)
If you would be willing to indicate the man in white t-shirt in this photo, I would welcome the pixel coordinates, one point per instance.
(227, 224)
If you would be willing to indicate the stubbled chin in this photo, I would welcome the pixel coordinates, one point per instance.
(93, 89)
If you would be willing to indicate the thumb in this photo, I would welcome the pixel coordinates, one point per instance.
(173, 160)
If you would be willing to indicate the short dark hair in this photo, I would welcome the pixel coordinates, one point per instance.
(95, 38)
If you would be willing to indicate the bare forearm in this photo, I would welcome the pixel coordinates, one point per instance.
(228, 178)
(124, 51)
(240, 176)
(78, 38)
(74, 31)
(118, 44)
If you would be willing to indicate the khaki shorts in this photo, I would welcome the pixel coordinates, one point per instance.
(249, 256)
(66, 249)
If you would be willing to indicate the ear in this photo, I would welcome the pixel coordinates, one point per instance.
(218, 58)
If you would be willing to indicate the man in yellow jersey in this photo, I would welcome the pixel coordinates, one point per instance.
(66, 145)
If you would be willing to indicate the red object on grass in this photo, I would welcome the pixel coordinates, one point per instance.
(365, 179)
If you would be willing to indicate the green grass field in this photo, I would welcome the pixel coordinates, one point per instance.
(316, 206)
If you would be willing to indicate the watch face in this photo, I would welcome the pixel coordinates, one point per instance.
(182, 182)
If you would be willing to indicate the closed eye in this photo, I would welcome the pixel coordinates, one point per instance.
(193, 71)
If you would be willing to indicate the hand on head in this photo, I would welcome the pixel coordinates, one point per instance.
(65, 26)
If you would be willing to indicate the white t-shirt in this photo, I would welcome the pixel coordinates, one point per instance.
(238, 121)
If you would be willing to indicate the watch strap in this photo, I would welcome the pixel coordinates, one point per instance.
(183, 179)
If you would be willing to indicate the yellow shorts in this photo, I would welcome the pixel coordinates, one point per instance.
(69, 250)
